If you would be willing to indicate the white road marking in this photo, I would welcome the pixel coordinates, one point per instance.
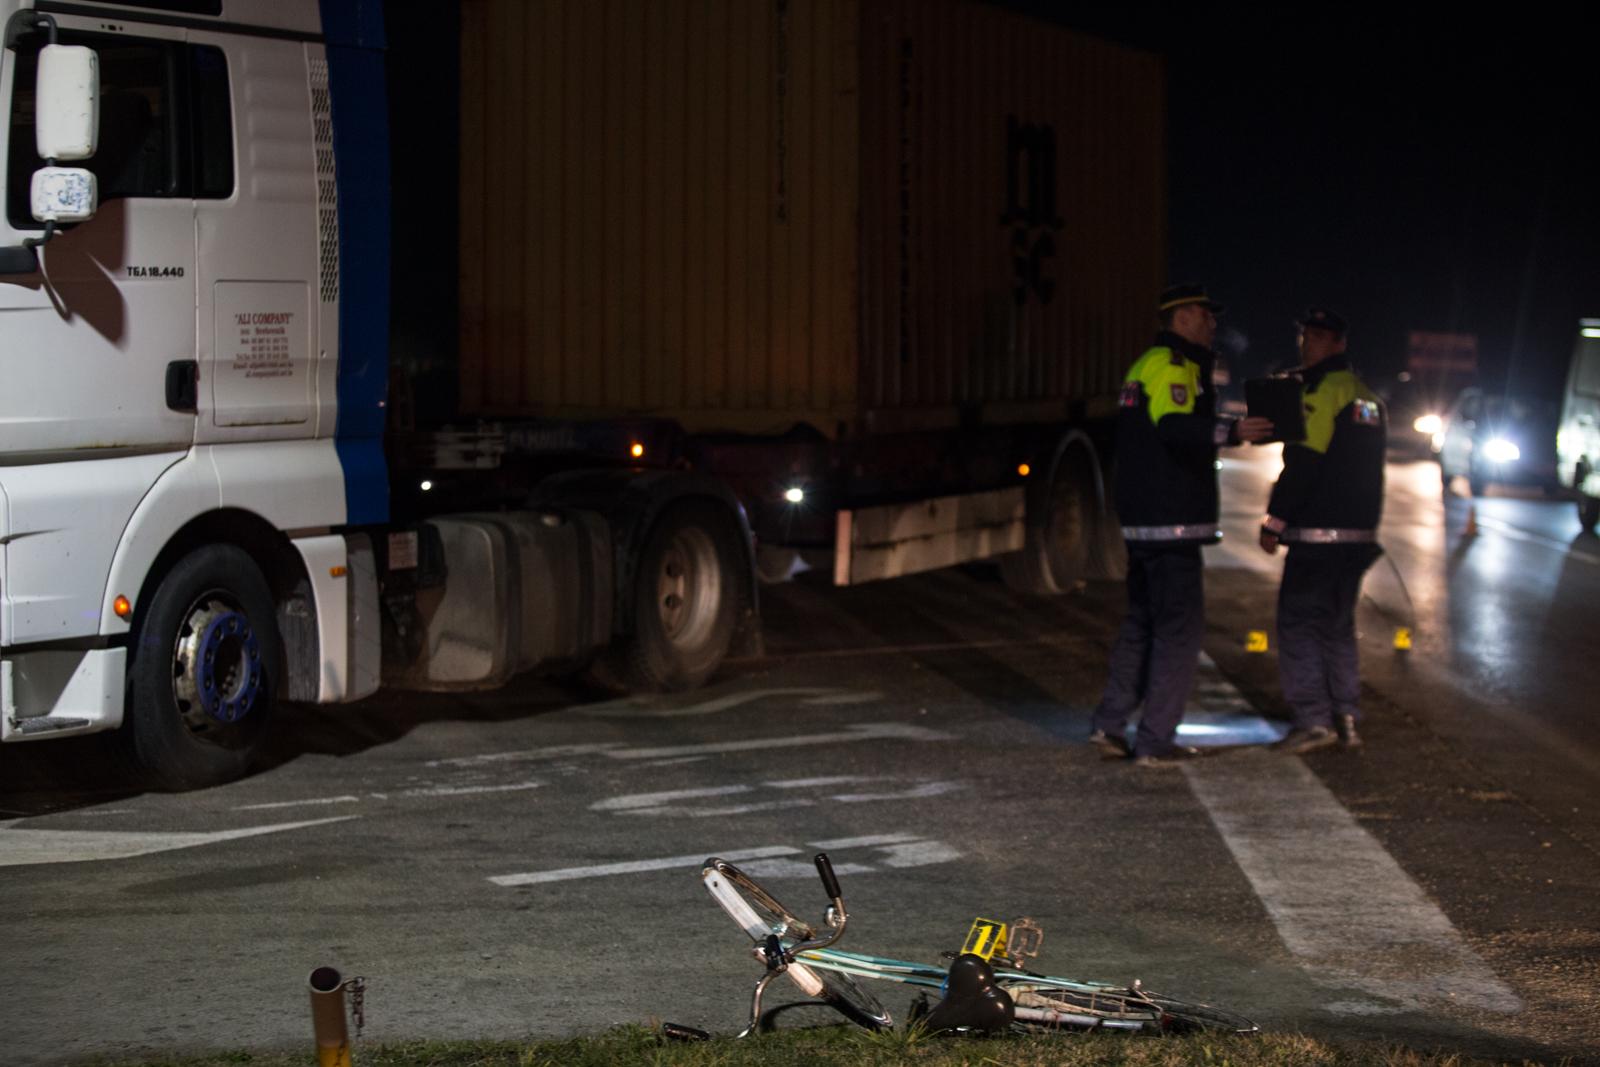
(735, 809)
(916, 792)
(855, 732)
(346, 799)
(469, 790)
(567, 874)
(644, 708)
(865, 842)
(526, 755)
(899, 850)
(420, 791)
(19, 847)
(651, 800)
(816, 783)
(773, 870)
(666, 803)
(919, 854)
(1340, 902)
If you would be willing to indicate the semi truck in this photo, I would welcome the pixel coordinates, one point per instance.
(308, 390)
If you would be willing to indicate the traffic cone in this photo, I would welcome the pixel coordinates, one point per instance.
(1471, 528)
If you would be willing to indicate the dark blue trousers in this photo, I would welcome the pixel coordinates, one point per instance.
(1156, 650)
(1317, 661)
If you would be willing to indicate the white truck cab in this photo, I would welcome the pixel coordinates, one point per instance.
(193, 367)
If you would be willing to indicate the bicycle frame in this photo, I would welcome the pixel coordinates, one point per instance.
(1016, 983)
(1039, 1000)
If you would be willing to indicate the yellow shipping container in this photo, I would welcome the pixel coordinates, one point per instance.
(864, 215)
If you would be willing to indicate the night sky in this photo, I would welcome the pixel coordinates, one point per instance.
(1409, 173)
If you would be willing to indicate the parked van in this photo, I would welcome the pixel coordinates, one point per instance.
(1578, 439)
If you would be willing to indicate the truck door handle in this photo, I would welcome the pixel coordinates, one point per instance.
(183, 385)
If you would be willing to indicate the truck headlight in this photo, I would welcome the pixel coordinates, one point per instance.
(1428, 425)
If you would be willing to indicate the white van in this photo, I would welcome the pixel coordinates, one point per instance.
(1578, 440)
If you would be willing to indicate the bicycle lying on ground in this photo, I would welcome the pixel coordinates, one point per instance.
(1026, 1001)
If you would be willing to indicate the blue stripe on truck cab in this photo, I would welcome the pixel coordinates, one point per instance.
(353, 30)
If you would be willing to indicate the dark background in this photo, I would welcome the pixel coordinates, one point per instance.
(1412, 170)
(1431, 171)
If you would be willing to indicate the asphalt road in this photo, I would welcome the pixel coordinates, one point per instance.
(525, 862)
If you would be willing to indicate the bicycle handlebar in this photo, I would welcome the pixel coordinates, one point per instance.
(830, 883)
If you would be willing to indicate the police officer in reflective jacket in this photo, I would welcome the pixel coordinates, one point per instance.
(1168, 433)
(1325, 507)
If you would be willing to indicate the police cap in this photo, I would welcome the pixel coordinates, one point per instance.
(1178, 295)
(1321, 319)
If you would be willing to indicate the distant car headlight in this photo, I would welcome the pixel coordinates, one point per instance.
(1428, 425)
(1499, 450)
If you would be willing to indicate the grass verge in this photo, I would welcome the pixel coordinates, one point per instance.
(856, 1048)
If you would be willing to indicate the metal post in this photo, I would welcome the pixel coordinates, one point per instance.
(327, 1018)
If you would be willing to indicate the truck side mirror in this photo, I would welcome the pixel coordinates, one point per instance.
(66, 127)
(67, 102)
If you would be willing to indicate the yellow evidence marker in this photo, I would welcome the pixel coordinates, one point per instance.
(986, 939)
(1255, 641)
(1402, 639)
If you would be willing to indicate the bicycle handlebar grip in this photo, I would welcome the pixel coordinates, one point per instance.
(830, 883)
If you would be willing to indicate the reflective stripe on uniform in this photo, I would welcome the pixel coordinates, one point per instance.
(1328, 536)
(1172, 533)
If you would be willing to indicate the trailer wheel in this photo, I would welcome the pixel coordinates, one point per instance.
(206, 666)
(1062, 522)
(686, 598)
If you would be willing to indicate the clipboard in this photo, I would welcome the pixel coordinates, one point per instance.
(1277, 399)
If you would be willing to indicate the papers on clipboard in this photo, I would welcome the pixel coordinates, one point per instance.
(1277, 399)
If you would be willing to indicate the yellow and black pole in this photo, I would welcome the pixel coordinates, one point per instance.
(327, 1015)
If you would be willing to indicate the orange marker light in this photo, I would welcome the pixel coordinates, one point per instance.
(637, 450)
(122, 606)
(1024, 470)
(338, 572)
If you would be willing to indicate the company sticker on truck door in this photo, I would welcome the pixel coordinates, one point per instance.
(261, 368)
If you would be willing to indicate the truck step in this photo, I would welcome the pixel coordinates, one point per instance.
(47, 724)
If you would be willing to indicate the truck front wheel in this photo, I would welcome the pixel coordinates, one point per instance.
(687, 595)
(206, 666)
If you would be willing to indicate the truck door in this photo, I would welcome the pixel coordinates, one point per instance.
(90, 337)
(260, 275)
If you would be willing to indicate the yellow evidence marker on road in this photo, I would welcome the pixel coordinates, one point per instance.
(1255, 641)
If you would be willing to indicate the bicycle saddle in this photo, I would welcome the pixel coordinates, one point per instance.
(972, 1000)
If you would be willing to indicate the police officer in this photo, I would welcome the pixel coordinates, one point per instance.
(1325, 507)
(1168, 433)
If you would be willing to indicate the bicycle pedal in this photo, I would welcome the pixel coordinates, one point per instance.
(679, 1032)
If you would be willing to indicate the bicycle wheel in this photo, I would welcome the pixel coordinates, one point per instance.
(1050, 1009)
(850, 1000)
(1182, 1017)
(762, 915)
